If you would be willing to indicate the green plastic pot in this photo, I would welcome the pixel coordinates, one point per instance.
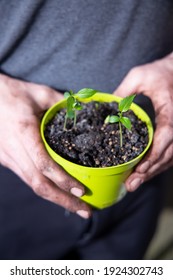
(104, 186)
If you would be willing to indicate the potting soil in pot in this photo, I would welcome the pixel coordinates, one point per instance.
(92, 142)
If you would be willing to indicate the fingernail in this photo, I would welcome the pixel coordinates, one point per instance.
(77, 192)
(135, 184)
(84, 214)
(144, 167)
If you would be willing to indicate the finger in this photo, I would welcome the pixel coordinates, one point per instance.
(131, 83)
(161, 169)
(158, 148)
(49, 191)
(34, 147)
(43, 187)
(136, 179)
(44, 96)
(166, 159)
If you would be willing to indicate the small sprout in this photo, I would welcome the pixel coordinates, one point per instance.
(123, 106)
(85, 93)
(111, 119)
(73, 103)
(96, 106)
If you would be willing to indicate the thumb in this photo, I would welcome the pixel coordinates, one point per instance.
(131, 84)
(46, 96)
(53, 96)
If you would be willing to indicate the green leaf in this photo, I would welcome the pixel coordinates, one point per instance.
(70, 111)
(112, 119)
(77, 106)
(86, 93)
(70, 102)
(71, 92)
(66, 94)
(107, 119)
(71, 114)
(125, 103)
(126, 122)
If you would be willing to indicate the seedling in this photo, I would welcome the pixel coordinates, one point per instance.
(123, 106)
(73, 104)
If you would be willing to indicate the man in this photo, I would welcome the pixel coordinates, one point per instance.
(48, 47)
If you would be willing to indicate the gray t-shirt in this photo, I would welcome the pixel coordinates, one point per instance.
(82, 43)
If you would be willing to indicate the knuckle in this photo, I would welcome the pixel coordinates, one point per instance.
(135, 71)
(64, 200)
(166, 132)
(46, 89)
(65, 184)
(136, 74)
(74, 204)
(45, 92)
(27, 123)
(42, 164)
(39, 188)
(68, 183)
(153, 155)
(23, 125)
(43, 89)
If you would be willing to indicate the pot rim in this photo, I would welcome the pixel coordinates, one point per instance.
(100, 97)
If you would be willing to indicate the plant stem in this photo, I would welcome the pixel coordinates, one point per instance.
(121, 136)
(65, 123)
(74, 122)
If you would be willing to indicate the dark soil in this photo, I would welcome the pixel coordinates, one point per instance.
(93, 143)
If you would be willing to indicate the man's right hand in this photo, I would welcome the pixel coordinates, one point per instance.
(22, 150)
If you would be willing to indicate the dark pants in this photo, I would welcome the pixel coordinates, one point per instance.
(32, 228)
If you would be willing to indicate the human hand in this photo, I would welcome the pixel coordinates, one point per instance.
(155, 80)
(22, 105)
